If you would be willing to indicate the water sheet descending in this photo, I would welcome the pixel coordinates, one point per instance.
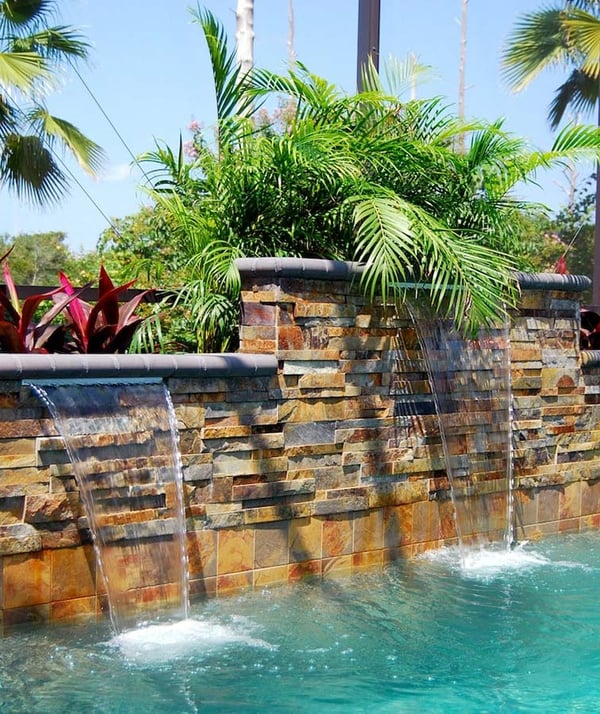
(122, 441)
(470, 381)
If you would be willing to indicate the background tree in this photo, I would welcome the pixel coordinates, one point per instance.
(36, 258)
(565, 35)
(32, 51)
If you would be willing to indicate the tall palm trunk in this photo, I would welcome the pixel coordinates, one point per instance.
(245, 35)
(462, 71)
(596, 269)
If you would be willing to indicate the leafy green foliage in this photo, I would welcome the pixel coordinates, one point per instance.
(31, 52)
(36, 258)
(369, 177)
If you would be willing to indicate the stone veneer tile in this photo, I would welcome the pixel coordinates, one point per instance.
(569, 502)
(367, 560)
(590, 497)
(368, 531)
(305, 539)
(547, 505)
(305, 569)
(277, 575)
(340, 566)
(34, 614)
(27, 579)
(397, 525)
(202, 588)
(79, 608)
(447, 514)
(235, 551)
(202, 553)
(233, 583)
(337, 536)
(426, 522)
(73, 573)
(271, 545)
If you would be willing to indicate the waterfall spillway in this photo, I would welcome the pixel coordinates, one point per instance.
(122, 441)
(470, 383)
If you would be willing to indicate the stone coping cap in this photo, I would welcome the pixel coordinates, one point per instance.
(590, 358)
(553, 281)
(318, 269)
(58, 366)
(310, 268)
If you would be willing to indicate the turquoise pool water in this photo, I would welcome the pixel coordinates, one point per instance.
(516, 633)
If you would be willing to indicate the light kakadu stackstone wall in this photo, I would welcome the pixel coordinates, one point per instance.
(294, 461)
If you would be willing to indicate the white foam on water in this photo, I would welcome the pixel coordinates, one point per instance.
(487, 563)
(163, 642)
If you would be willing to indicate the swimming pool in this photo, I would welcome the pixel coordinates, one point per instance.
(516, 633)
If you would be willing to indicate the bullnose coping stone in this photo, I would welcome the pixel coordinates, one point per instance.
(119, 366)
(317, 268)
(309, 268)
(553, 281)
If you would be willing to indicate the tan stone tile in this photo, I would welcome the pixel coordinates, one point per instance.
(202, 553)
(367, 560)
(547, 505)
(235, 551)
(305, 539)
(368, 531)
(233, 583)
(277, 575)
(307, 569)
(569, 503)
(337, 536)
(202, 588)
(73, 573)
(397, 526)
(83, 608)
(590, 498)
(271, 545)
(35, 614)
(26, 579)
(341, 566)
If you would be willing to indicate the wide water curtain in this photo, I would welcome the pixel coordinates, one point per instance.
(122, 441)
(470, 381)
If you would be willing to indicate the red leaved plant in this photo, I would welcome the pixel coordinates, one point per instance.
(106, 327)
(18, 330)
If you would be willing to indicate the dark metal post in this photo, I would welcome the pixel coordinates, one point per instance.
(368, 36)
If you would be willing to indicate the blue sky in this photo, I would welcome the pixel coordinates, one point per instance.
(149, 70)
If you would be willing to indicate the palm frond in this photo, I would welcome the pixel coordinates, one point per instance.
(28, 168)
(231, 87)
(584, 30)
(538, 41)
(578, 92)
(89, 155)
(53, 43)
(20, 16)
(22, 69)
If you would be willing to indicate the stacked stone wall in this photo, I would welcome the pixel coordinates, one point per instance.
(329, 464)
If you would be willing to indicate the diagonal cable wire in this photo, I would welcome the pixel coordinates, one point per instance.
(111, 123)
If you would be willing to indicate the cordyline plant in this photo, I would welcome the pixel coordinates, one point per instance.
(106, 327)
(71, 324)
(18, 332)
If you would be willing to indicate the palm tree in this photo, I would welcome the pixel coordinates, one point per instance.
(368, 177)
(565, 35)
(31, 51)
